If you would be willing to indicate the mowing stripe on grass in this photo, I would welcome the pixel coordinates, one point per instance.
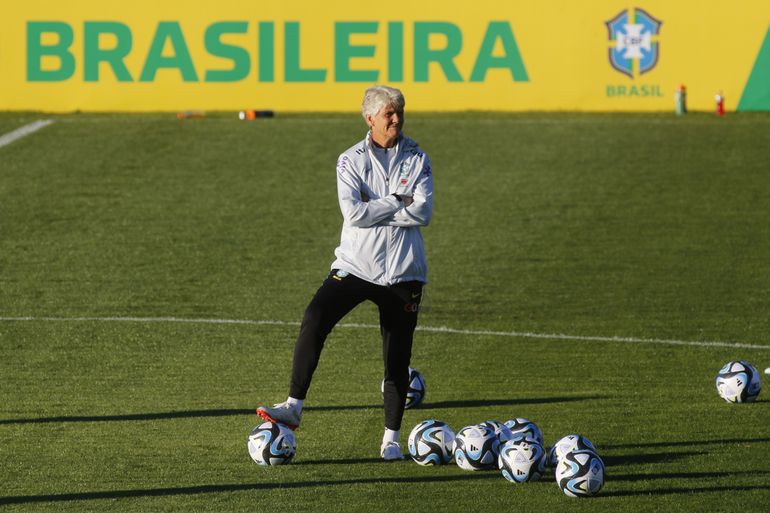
(24, 131)
(433, 329)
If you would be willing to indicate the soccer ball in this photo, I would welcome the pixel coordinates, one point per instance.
(476, 448)
(431, 443)
(566, 445)
(271, 444)
(525, 429)
(580, 473)
(416, 392)
(501, 430)
(522, 461)
(738, 382)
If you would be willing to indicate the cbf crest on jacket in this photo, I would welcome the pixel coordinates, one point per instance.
(381, 240)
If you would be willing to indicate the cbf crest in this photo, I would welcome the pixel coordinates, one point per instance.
(634, 45)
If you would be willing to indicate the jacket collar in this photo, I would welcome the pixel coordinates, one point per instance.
(370, 144)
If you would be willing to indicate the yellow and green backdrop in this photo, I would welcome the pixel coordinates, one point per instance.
(515, 55)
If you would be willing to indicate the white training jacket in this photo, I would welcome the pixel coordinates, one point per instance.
(381, 240)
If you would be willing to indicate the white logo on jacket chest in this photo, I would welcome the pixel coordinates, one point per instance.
(404, 173)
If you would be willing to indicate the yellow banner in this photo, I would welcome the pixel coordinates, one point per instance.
(514, 55)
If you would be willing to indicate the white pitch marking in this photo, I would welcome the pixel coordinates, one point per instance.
(432, 329)
(24, 131)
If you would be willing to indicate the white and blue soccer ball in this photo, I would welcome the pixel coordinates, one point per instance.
(738, 382)
(431, 442)
(476, 448)
(566, 445)
(521, 461)
(580, 473)
(416, 392)
(271, 444)
(501, 430)
(525, 429)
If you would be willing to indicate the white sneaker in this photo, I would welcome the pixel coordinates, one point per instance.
(281, 413)
(391, 451)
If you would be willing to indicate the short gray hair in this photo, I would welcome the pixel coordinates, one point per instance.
(379, 96)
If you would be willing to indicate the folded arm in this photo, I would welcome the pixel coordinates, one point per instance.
(420, 210)
(358, 209)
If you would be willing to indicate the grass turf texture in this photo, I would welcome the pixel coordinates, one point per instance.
(644, 226)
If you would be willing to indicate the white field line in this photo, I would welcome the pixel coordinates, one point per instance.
(24, 131)
(431, 329)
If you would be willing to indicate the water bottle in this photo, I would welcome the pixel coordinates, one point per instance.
(250, 115)
(681, 99)
(720, 99)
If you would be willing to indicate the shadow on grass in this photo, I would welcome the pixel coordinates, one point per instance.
(701, 477)
(505, 402)
(686, 475)
(613, 462)
(686, 443)
(235, 412)
(340, 461)
(130, 416)
(687, 491)
(638, 459)
(225, 488)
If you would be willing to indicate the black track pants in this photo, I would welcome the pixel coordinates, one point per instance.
(337, 296)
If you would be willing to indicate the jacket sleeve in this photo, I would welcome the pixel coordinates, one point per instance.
(420, 211)
(356, 211)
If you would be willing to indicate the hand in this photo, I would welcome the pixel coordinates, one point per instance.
(408, 200)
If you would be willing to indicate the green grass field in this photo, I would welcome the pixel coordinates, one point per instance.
(594, 273)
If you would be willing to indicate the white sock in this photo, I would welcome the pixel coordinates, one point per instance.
(295, 403)
(390, 436)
